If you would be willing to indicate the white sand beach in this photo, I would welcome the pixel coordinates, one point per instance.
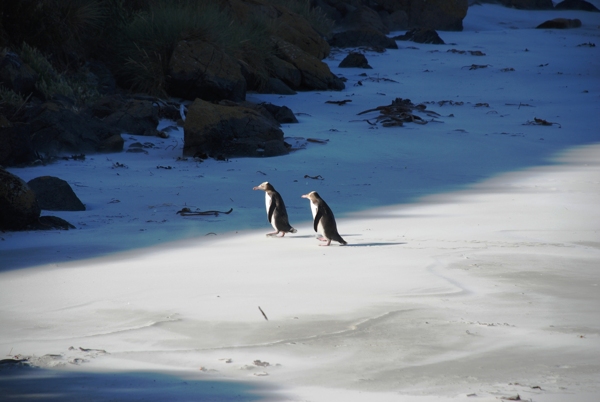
(472, 268)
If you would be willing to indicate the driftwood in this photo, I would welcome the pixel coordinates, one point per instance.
(477, 66)
(188, 212)
(541, 122)
(398, 113)
(339, 103)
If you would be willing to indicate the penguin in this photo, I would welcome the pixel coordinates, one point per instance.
(276, 212)
(324, 221)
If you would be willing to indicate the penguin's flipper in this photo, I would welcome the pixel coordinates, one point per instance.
(318, 217)
(271, 209)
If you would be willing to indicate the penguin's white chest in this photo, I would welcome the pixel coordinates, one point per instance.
(268, 201)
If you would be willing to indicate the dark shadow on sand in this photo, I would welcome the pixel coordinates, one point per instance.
(27, 383)
(373, 244)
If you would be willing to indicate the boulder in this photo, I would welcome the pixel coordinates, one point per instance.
(356, 60)
(199, 69)
(230, 130)
(315, 75)
(364, 17)
(16, 75)
(402, 14)
(50, 222)
(281, 114)
(276, 86)
(395, 21)
(15, 145)
(362, 37)
(421, 35)
(442, 15)
(18, 204)
(137, 117)
(560, 23)
(286, 72)
(55, 130)
(576, 5)
(529, 4)
(54, 194)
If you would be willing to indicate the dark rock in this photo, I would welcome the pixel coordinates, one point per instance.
(49, 223)
(54, 194)
(282, 114)
(421, 35)
(442, 15)
(199, 69)
(576, 5)
(395, 21)
(16, 75)
(315, 75)
(286, 72)
(276, 86)
(560, 23)
(355, 59)
(54, 130)
(137, 117)
(114, 143)
(529, 4)
(221, 131)
(101, 77)
(401, 14)
(18, 204)
(364, 17)
(15, 146)
(362, 37)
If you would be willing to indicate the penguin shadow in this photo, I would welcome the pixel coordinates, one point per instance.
(373, 244)
(369, 244)
(350, 244)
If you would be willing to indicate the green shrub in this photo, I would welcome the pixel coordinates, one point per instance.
(9, 98)
(51, 83)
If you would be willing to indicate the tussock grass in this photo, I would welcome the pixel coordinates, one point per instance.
(149, 39)
(51, 83)
(317, 18)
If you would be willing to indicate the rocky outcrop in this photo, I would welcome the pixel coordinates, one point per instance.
(576, 5)
(54, 194)
(441, 15)
(393, 15)
(56, 130)
(131, 116)
(314, 74)
(230, 130)
(18, 204)
(529, 4)
(362, 38)
(199, 69)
